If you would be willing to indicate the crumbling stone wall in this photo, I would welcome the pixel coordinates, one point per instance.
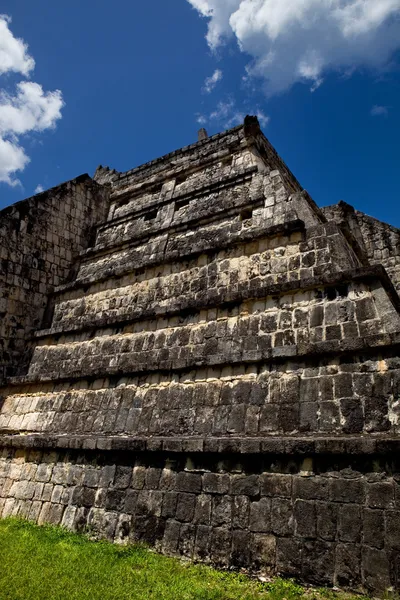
(220, 378)
(40, 240)
(380, 242)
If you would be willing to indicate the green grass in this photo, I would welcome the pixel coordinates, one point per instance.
(49, 563)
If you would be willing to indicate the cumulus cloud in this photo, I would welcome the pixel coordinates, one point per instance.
(227, 114)
(219, 12)
(13, 51)
(12, 159)
(212, 81)
(39, 189)
(30, 109)
(379, 111)
(300, 40)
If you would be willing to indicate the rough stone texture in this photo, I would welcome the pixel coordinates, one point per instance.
(220, 377)
(40, 240)
(316, 519)
(378, 242)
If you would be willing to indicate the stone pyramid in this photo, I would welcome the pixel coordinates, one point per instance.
(213, 369)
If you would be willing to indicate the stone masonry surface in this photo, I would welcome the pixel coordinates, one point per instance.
(40, 240)
(198, 357)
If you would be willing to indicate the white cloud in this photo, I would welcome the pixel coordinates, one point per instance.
(201, 119)
(219, 11)
(13, 51)
(262, 117)
(300, 40)
(30, 109)
(212, 81)
(379, 111)
(38, 189)
(227, 114)
(12, 159)
(223, 110)
(238, 118)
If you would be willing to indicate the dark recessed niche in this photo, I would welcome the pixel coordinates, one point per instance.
(92, 237)
(123, 202)
(246, 214)
(180, 178)
(340, 291)
(150, 216)
(181, 204)
(331, 293)
(227, 160)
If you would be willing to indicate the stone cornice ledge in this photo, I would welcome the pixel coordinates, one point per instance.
(270, 355)
(235, 236)
(279, 445)
(195, 192)
(225, 296)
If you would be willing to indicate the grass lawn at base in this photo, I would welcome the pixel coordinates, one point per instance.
(49, 563)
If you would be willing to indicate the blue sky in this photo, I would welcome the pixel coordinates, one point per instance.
(132, 81)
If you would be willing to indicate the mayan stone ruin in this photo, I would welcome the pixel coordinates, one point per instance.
(195, 356)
